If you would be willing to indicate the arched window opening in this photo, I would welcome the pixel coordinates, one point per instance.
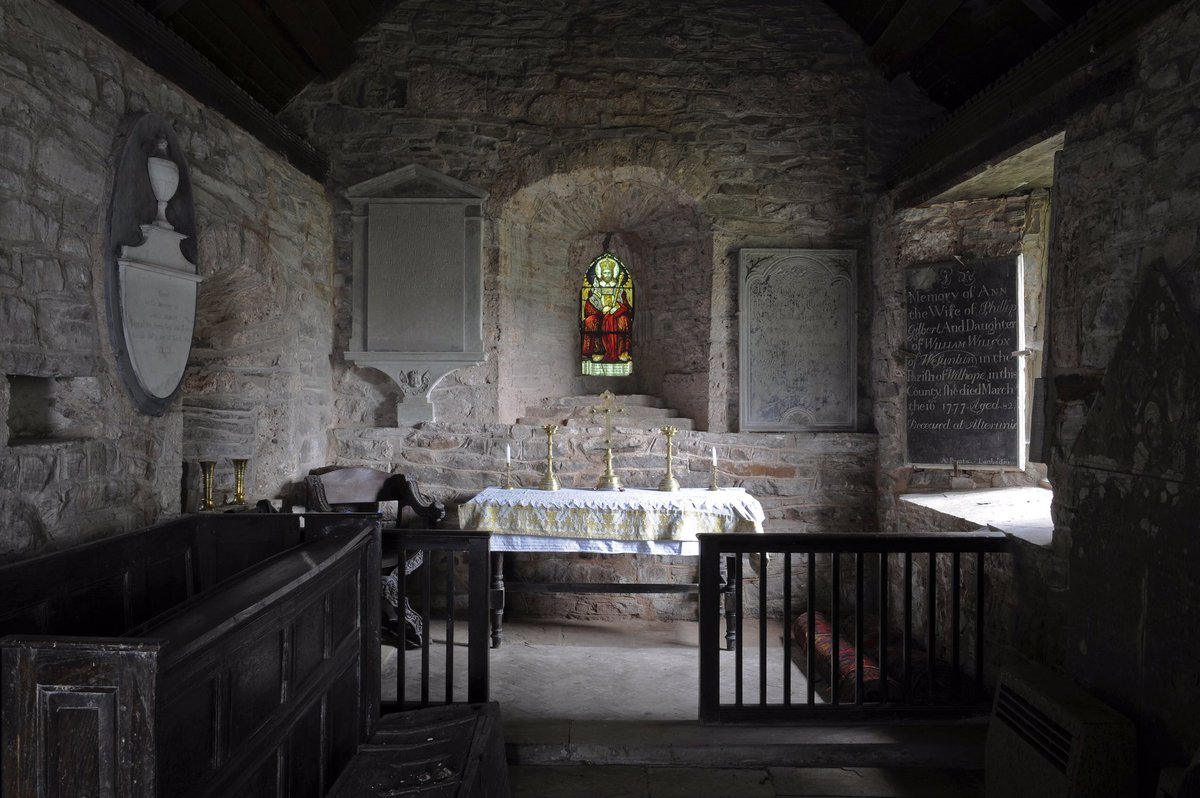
(606, 319)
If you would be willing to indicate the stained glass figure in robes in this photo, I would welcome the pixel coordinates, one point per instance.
(606, 319)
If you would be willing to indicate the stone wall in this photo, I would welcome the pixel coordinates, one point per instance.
(687, 135)
(89, 464)
(1113, 601)
(1029, 575)
(1127, 212)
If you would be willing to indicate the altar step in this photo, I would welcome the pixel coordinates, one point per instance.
(947, 745)
(640, 412)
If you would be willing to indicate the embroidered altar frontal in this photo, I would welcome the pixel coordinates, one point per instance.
(629, 514)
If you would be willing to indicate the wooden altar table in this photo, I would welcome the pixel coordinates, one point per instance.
(628, 521)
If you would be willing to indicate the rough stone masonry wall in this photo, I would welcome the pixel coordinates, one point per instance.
(766, 116)
(93, 465)
(1127, 198)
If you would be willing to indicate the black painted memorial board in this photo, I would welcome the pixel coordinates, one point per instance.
(963, 381)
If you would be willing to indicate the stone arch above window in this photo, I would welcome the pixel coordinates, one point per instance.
(606, 319)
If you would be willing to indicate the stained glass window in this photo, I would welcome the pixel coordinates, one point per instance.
(606, 319)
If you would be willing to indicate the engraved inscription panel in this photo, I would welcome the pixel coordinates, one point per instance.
(963, 380)
(797, 339)
(159, 309)
(416, 278)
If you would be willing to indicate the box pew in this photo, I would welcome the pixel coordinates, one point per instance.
(214, 655)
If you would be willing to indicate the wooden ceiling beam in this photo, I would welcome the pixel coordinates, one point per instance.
(1034, 98)
(913, 26)
(164, 8)
(885, 12)
(276, 53)
(141, 34)
(194, 30)
(1046, 13)
(317, 32)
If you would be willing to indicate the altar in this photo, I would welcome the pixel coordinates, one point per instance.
(627, 521)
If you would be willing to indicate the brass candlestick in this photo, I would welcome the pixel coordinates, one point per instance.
(549, 482)
(207, 469)
(508, 483)
(608, 480)
(669, 482)
(239, 480)
(712, 484)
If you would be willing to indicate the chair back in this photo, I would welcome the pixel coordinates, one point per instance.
(361, 489)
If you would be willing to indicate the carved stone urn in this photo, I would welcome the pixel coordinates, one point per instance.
(164, 181)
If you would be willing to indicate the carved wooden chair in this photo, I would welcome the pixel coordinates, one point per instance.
(362, 490)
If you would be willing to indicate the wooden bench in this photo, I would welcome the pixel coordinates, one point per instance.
(209, 656)
(215, 655)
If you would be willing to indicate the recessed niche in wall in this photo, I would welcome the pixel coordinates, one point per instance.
(50, 409)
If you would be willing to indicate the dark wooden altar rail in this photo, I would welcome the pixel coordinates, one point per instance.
(715, 547)
(473, 547)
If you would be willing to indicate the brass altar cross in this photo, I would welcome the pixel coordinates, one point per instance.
(608, 407)
(609, 480)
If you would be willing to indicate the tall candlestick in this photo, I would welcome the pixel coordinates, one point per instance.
(669, 482)
(239, 480)
(207, 469)
(712, 483)
(549, 481)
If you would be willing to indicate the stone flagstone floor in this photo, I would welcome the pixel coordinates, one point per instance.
(606, 709)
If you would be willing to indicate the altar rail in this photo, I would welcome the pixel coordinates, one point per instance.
(437, 586)
(866, 679)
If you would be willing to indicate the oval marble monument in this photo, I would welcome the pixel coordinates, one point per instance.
(150, 263)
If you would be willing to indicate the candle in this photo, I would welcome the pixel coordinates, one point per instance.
(714, 453)
(508, 453)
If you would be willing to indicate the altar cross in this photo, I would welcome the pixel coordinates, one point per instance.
(608, 407)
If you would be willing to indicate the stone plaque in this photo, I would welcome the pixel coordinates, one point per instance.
(151, 279)
(797, 339)
(418, 281)
(964, 378)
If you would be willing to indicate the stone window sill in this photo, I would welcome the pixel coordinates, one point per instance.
(1020, 512)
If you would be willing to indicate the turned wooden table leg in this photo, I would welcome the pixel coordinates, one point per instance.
(496, 598)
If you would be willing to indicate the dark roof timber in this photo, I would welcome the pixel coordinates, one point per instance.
(137, 30)
(1030, 102)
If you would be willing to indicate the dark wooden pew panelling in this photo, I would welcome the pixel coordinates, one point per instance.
(216, 655)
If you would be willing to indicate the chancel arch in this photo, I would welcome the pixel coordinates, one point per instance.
(549, 234)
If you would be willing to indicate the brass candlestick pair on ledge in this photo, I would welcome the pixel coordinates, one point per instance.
(208, 471)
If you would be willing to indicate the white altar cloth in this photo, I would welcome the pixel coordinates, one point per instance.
(546, 543)
(626, 521)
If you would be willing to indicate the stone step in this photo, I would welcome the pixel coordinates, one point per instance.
(628, 400)
(947, 745)
(623, 422)
(635, 411)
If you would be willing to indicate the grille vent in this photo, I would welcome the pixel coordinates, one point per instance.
(1035, 727)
